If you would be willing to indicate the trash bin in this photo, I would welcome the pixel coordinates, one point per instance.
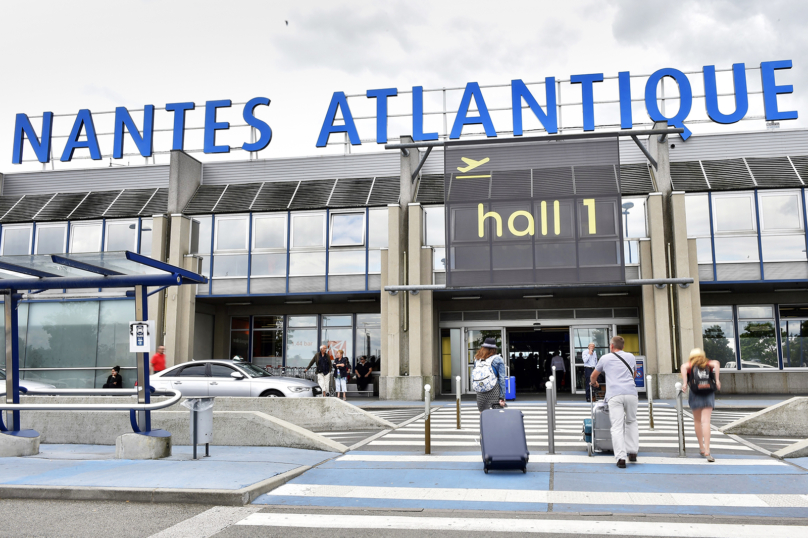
(201, 422)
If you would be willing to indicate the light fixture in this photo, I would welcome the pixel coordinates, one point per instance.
(465, 297)
(237, 304)
(307, 301)
(615, 294)
(545, 296)
(792, 289)
(361, 300)
(716, 291)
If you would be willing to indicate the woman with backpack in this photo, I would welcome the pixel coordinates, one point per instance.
(488, 376)
(700, 377)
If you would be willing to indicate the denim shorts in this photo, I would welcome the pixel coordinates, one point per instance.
(700, 401)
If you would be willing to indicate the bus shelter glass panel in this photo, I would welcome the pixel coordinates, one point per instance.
(476, 338)
(757, 336)
(581, 338)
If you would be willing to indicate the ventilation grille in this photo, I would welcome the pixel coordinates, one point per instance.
(801, 164)
(687, 176)
(275, 196)
(230, 286)
(773, 172)
(204, 199)
(238, 198)
(306, 284)
(346, 283)
(267, 285)
(553, 181)
(786, 271)
(596, 180)
(430, 189)
(374, 282)
(511, 184)
(706, 273)
(517, 314)
(350, 193)
(25, 210)
(6, 203)
(158, 204)
(728, 174)
(469, 189)
(312, 194)
(129, 204)
(385, 191)
(737, 271)
(61, 206)
(635, 179)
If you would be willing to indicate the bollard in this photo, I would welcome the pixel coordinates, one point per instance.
(427, 439)
(457, 386)
(680, 420)
(550, 419)
(650, 388)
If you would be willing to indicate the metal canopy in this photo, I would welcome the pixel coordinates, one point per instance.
(92, 270)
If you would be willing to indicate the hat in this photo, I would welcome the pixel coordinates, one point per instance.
(490, 342)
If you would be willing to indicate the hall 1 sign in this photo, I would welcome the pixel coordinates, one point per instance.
(84, 127)
(533, 213)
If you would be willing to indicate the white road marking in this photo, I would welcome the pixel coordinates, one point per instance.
(559, 458)
(543, 526)
(540, 496)
(208, 523)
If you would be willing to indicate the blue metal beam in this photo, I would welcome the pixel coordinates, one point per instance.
(25, 270)
(90, 268)
(117, 281)
(190, 276)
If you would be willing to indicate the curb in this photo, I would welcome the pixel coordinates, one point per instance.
(220, 497)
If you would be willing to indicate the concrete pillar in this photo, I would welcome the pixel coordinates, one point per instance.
(159, 251)
(681, 269)
(428, 344)
(181, 300)
(662, 329)
(415, 218)
(659, 150)
(184, 178)
(648, 308)
(385, 305)
(394, 336)
(695, 294)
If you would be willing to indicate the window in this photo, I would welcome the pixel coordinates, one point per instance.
(194, 370)
(267, 340)
(307, 263)
(756, 333)
(369, 339)
(231, 234)
(346, 262)
(794, 338)
(301, 340)
(633, 210)
(378, 228)
(337, 334)
(85, 238)
(121, 235)
(16, 240)
(434, 226)
(201, 237)
(736, 249)
(734, 213)
(347, 229)
(718, 330)
(308, 230)
(268, 265)
(221, 370)
(240, 337)
(50, 238)
(269, 232)
(782, 237)
(439, 259)
(146, 236)
(697, 210)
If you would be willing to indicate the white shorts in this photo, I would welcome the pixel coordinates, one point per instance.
(341, 384)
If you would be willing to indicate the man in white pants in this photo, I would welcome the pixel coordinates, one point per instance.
(621, 397)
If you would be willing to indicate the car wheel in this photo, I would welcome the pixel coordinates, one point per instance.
(272, 394)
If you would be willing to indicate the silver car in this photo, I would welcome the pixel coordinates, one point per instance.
(199, 379)
(26, 383)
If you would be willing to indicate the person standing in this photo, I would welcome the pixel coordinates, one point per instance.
(590, 358)
(158, 360)
(114, 381)
(700, 376)
(621, 397)
(363, 371)
(561, 368)
(323, 368)
(487, 355)
(342, 370)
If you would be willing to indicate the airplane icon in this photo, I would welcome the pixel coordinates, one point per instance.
(472, 164)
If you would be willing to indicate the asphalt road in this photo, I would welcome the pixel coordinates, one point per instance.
(93, 519)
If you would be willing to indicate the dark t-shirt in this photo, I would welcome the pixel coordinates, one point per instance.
(362, 369)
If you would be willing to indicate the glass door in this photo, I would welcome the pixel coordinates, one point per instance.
(474, 340)
(581, 337)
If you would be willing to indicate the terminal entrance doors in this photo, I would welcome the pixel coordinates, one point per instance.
(530, 353)
(580, 337)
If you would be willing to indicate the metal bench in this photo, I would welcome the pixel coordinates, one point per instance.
(353, 388)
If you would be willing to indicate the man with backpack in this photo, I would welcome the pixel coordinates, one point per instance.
(621, 397)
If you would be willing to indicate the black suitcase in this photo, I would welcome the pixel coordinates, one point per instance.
(502, 440)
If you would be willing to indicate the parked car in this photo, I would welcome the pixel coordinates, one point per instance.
(26, 383)
(231, 378)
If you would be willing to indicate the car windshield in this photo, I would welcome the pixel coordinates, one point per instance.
(253, 370)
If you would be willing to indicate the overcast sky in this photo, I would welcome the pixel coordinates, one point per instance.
(64, 56)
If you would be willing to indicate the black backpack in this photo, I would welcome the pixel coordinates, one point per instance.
(702, 380)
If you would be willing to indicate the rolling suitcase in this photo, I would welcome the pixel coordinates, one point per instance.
(598, 429)
(502, 440)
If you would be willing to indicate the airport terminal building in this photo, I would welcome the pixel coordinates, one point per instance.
(299, 251)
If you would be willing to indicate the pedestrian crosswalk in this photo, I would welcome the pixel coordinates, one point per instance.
(569, 419)
(772, 444)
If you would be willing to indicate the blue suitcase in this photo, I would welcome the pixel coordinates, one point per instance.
(510, 388)
(502, 440)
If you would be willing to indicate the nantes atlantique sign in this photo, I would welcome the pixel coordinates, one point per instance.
(83, 135)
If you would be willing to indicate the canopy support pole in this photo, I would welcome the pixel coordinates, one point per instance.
(143, 392)
(12, 358)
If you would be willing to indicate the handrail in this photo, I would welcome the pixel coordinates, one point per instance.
(176, 396)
